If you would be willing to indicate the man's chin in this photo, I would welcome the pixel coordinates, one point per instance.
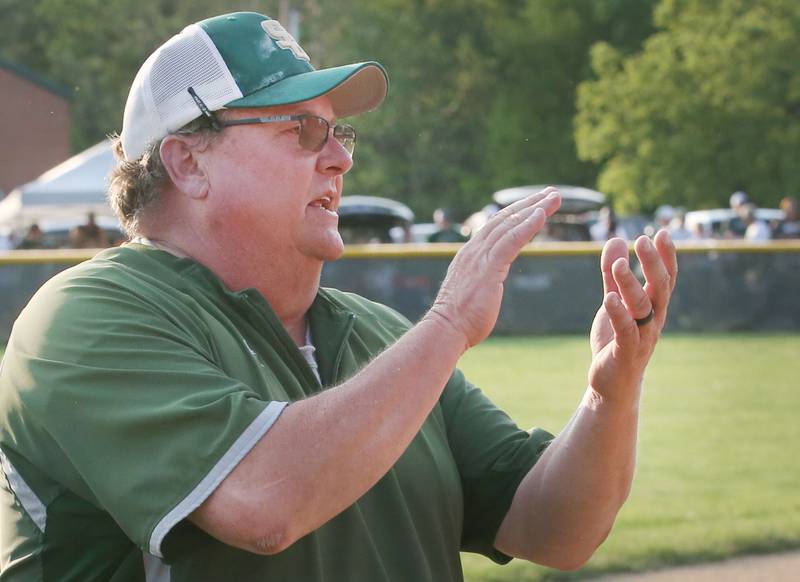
(333, 256)
(331, 249)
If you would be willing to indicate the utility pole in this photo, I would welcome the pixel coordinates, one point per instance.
(290, 18)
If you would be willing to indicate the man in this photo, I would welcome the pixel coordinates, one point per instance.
(446, 230)
(193, 406)
(755, 230)
(738, 202)
(33, 239)
(677, 226)
(790, 226)
(606, 226)
(89, 235)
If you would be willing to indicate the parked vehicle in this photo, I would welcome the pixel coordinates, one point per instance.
(574, 199)
(723, 222)
(570, 223)
(370, 219)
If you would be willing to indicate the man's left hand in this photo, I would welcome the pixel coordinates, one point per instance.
(621, 348)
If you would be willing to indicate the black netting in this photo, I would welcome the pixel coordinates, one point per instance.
(717, 291)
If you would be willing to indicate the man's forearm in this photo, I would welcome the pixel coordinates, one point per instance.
(566, 505)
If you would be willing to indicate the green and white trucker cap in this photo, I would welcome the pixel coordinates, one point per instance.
(241, 59)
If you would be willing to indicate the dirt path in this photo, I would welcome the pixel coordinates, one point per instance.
(783, 567)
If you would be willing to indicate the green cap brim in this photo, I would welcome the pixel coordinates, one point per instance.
(352, 89)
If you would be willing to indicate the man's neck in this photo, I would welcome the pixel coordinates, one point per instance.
(290, 294)
(288, 285)
(289, 288)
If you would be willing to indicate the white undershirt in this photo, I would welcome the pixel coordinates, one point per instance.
(308, 351)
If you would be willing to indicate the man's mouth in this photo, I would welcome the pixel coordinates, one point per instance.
(324, 202)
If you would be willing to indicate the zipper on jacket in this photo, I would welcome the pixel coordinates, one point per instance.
(337, 362)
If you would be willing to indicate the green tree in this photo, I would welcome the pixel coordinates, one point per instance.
(542, 53)
(482, 93)
(710, 105)
(426, 145)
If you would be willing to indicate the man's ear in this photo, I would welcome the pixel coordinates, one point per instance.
(181, 163)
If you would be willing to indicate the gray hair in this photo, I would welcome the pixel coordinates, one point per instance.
(136, 185)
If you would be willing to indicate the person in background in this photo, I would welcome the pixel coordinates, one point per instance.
(755, 229)
(790, 226)
(737, 226)
(663, 216)
(89, 235)
(677, 226)
(738, 199)
(193, 406)
(698, 231)
(477, 220)
(661, 219)
(446, 229)
(33, 239)
(607, 226)
(6, 239)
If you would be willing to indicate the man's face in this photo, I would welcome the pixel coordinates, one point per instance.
(270, 193)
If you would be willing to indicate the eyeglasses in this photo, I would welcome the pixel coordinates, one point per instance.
(314, 130)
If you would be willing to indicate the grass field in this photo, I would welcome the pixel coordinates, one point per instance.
(718, 470)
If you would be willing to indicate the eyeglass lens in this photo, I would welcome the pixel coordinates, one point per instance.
(314, 134)
(345, 135)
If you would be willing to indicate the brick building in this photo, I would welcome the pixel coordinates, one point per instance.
(34, 125)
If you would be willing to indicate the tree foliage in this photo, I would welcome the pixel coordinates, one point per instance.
(542, 53)
(426, 146)
(483, 93)
(710, 105)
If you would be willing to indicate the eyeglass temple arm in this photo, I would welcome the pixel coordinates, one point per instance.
(251, 120)
(204, 109)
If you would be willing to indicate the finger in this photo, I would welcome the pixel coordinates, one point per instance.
(666, 248)
(614, 249)
(549, 204)
(504, 214)
(626, 332)
(508, 211)
(633, 295)
(657, 278)
(508, 245)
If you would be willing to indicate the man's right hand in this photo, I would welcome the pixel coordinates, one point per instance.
(470, 296)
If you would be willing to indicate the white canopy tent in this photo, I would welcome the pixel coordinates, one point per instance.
(69, 191)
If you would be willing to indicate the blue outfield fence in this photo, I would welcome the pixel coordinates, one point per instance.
(552, 287)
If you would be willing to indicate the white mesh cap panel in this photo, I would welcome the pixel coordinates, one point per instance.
(193, 61)
(138, 126)
(162, 103)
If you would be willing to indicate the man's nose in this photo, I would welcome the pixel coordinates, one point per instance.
(334, 158)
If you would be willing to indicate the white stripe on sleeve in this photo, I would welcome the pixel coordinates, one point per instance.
(155, 570)
(27, 498)
(246, 441)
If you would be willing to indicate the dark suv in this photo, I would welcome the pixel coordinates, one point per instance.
(369, 219)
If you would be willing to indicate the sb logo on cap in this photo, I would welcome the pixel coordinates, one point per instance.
(283, 39)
